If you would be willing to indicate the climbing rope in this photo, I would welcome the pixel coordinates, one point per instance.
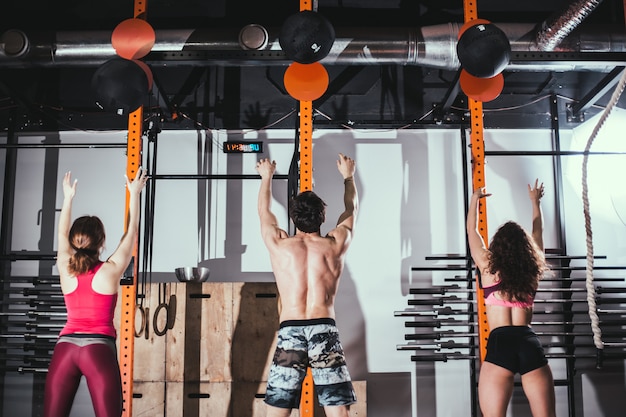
(591, 292)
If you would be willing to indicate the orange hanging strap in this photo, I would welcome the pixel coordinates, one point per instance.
(306, 4)
(306, 184)
(478, 176)
(470, 10)
(478, 180)
(129, 292)
(140, 9)
(306, 146)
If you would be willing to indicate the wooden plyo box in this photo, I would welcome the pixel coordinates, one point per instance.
(199, 343)
(217, 399)
(214, 332)
(255, 321)
(148, 399)
(207, 350)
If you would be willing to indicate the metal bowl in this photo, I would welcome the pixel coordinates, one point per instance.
(190, 274)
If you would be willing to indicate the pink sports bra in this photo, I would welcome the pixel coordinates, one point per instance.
(490, 298)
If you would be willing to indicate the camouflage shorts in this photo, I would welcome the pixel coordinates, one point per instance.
(315, 344)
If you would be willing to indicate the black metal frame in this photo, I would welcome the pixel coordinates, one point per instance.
(560, 263)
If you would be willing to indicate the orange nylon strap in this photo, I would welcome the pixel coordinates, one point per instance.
(129, 292)
(478, 180)
(140, 9)
(306, 184)
(306, 146)
(478, 176)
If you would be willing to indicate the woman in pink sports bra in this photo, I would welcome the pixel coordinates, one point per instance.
(86, 344)
(510, 271)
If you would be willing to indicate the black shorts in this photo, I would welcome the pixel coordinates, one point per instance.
(516, 348)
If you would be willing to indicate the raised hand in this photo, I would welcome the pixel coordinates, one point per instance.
(141, 177)
(535, 193)
(346, 166)
(69, 187)
(481, 192)
(265, 168)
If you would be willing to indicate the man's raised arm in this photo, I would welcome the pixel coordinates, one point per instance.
(347, 167)
(269, 223)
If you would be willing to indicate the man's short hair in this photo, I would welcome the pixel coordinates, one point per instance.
(307, 211)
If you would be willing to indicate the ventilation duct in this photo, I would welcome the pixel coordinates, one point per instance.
(556, 29)
(430, 46)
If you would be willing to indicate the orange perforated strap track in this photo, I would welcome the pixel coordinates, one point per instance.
(306, 184)
(129, 292)
(306, 146)
(478, 180)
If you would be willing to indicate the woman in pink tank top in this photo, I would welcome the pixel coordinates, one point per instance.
(86, 345)
(510, 270)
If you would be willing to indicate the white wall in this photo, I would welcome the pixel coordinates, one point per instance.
(412, 206)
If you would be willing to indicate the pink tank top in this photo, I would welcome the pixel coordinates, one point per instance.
(88, 311)
(490, 298)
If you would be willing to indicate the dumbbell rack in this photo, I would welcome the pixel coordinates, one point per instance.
(444, 327)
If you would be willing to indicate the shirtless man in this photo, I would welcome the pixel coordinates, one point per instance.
(307, 267)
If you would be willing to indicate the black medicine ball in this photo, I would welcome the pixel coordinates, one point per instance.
(120, 86)
(483, 50)
(306, 37)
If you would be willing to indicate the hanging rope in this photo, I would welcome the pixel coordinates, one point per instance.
(591, 292)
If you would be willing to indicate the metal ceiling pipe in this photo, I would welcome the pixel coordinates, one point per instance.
(430, 46)
(554, 30)
(14, 43)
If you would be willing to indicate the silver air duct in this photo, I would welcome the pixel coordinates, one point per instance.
(553, 31)
(430, 46)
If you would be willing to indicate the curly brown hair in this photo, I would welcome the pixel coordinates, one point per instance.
(517, 260)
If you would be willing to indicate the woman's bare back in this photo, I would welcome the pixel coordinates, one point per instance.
(498, 316)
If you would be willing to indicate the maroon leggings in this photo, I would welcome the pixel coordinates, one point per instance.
(94, 358)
